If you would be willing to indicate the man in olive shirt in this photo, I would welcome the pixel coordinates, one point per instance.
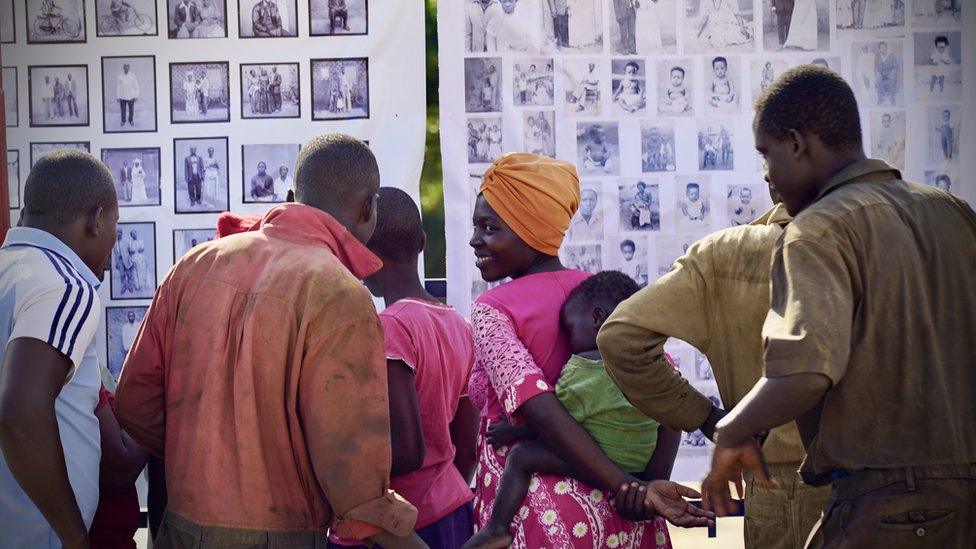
(869, 342)
(716, 297)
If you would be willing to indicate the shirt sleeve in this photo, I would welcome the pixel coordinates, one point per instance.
(632, 343)
(508, 365)
(399, 344)
(808, 327)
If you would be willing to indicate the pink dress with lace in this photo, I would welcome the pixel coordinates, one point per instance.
(520, 352)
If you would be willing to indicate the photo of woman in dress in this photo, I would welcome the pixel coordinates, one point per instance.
(720, 26)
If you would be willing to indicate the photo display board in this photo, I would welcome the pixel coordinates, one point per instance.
(652, 101)
(200, 107)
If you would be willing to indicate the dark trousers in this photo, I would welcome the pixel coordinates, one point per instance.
(194, 188)
(628, 38)
(276, 100)
(560, 26)
(858, 8)
(127, 105)
(177, 532)
(783, 25)
(72, 105)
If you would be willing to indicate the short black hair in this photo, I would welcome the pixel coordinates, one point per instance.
(722, 59)
(633, 64)
(810, 99)
(943, 39)
(605, 289)
(679, 69)
(335, 169)
(692, 184)
(628, 242)
(67, 184)
(399, 234)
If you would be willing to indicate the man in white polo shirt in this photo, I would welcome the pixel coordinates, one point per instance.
(50, 269)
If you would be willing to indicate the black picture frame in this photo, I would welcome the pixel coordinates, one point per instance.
(171, 35)
(176, 140)
(108, 345)
(30, 96)
(155, 94)
(155, 29)
(172, 110)
(312, 89)
(83, 32)
(313, 34)
(242, 91)
(240, 26)
(87, 147)
(159, 157)
(13, 27)
(16, 89)
(155, 266)
(245, 183)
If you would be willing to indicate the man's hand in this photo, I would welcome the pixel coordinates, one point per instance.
(643, 501)
(502, 432)
(728, 463)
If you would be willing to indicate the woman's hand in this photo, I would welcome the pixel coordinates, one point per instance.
(644, 501)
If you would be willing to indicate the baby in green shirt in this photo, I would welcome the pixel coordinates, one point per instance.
(635, 442)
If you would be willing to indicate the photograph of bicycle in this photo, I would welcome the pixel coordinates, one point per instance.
(125, 18)
(55, 21)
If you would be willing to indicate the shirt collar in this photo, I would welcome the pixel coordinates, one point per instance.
(855, 171)
(37, 238)
(777, 215)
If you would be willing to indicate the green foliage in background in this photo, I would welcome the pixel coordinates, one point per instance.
(431, 179)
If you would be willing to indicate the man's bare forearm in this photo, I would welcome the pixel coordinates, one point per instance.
(771, 403)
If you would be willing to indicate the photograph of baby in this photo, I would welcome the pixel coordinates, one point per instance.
(134, 261)
(869, 18)
(581, 82)
(888, 137)
(597, 148)
(534, 82)
(587, 224)
(484, 139)
(936, 13)
(136, 173)
(744, 204)
(570, 26)
(340, 88)
(58, 95)
(38, 150)
(943, 132)
(539, 132)
(197, 18)
(10, 90)
(270, 91)
(718, 26)
(721, 81)
(669, 248)
(587, 258)
(796, 25)
(715, 145)
(267, 18)
(658, 146)
(642, 27)
(199, 92)
(630, 258)
(640, 205)
(200, 169)
(13, 178)
(941, 179)
(186, 239)
(693, 211)
(125, 18)
(8, 32)
(129, 94)
(675, 86)
(338, 17)
(629, 83)
(121, 328)
(56, 22)
(764, 73)
(938, 66)
(878, 73)
(267, 174)
(482, 84)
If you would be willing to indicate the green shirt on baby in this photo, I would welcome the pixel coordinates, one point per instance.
(624, 433)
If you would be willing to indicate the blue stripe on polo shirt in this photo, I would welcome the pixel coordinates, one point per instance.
(88, 306)
(64, 298)
(71, 314)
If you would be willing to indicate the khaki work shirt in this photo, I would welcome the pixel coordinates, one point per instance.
(872, 286)
(715, 298)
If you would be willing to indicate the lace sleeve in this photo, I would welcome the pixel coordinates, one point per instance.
(503, 362)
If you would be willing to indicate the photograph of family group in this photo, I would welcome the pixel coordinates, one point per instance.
(482, 84)
(340, 89)
(533, 83)
(197, 18)
(864, 18)
(137, 174)
(129, 94)
(539, 135)
(485, 139)
(715, 150)
(879, 79)
(270, 91)
(199, 92)
(58, 95)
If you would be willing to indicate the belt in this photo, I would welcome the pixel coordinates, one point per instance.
(851, 484)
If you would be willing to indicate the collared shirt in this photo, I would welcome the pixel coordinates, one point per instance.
(715, 298)
(872, 286)
(49, 294)
(127, 88)
(260, 371)
(475, 24)
(581, 229)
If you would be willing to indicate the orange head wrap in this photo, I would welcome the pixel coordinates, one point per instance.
(534, 195)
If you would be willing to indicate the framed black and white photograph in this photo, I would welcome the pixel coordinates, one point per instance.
(629, 83)
(639, 202)
(744, 203)
(129, 94)
(484, 139)
(338, 17)
(938, 66)
(942, 178)
(888, 137)
(658, 152)
(630, 258)
(796, 25)
(587, 223)
(125, 18)
(718, 26)
(574, 26)
(668, 248)
(186, 239)
(721, 81)
(715, 151)
(13, 178)
(870, 18)
(201, 171)
(533, 82)
(539, 135)
(196, 18)
(482, 84)
(644, 27)
(583, 257)
(137, 175)
(134, 261)
(943, 134)
(8, 30)
(121, 328)
(267, 18)
(270, 91)
(764, 73)
(582, 87)
(340, 88)
(936, 13)
(879, 71)
(60, 22)
(675, 87)
(38, 150)
(267, 174)
(10, 99)
(58, 95)
(199, 92)
(693, 210)
(598, 148)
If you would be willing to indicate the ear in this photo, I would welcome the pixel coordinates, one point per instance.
(368, 212)
(423, 241)
(93, 223)
(798, 143)
(599, 315)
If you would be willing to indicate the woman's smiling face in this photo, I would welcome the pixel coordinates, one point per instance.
(499, 252)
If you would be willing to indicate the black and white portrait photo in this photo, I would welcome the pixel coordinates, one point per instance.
(572, 26)
(587, 223)
(943, 134)
(502, 26)
(539, 135)
(640, 205)
(13, 178)
(56, 21)
(38, 150)
(715, 151)
(869, 18)
(125, 18)
(270, 91)
(129, 94)
(186, 239)
(744, 203)
(58, 95)
(136, 173)
(888, 137)
(629, 83)
(720, 77)
(484, 139)
(597, 148)
(630, 258)
(941, 179)
(482, 84)
(10, 92)
(8, 31)
(267, 18)
(764, 73)
(134, 261)
(668, 248)
(693, 210)
(199, 92)
(197, 18)
(641, 27)
(200, 168)
(936, 13)
(268, 169)
(658, 146)
(938, 66)
(879, 77)
(338, 17)
(718, 26)
(533, 82)
(582, 87)
(587, 258)
(796, 25)
(675, 87)
(340, 88)
(121, 328)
